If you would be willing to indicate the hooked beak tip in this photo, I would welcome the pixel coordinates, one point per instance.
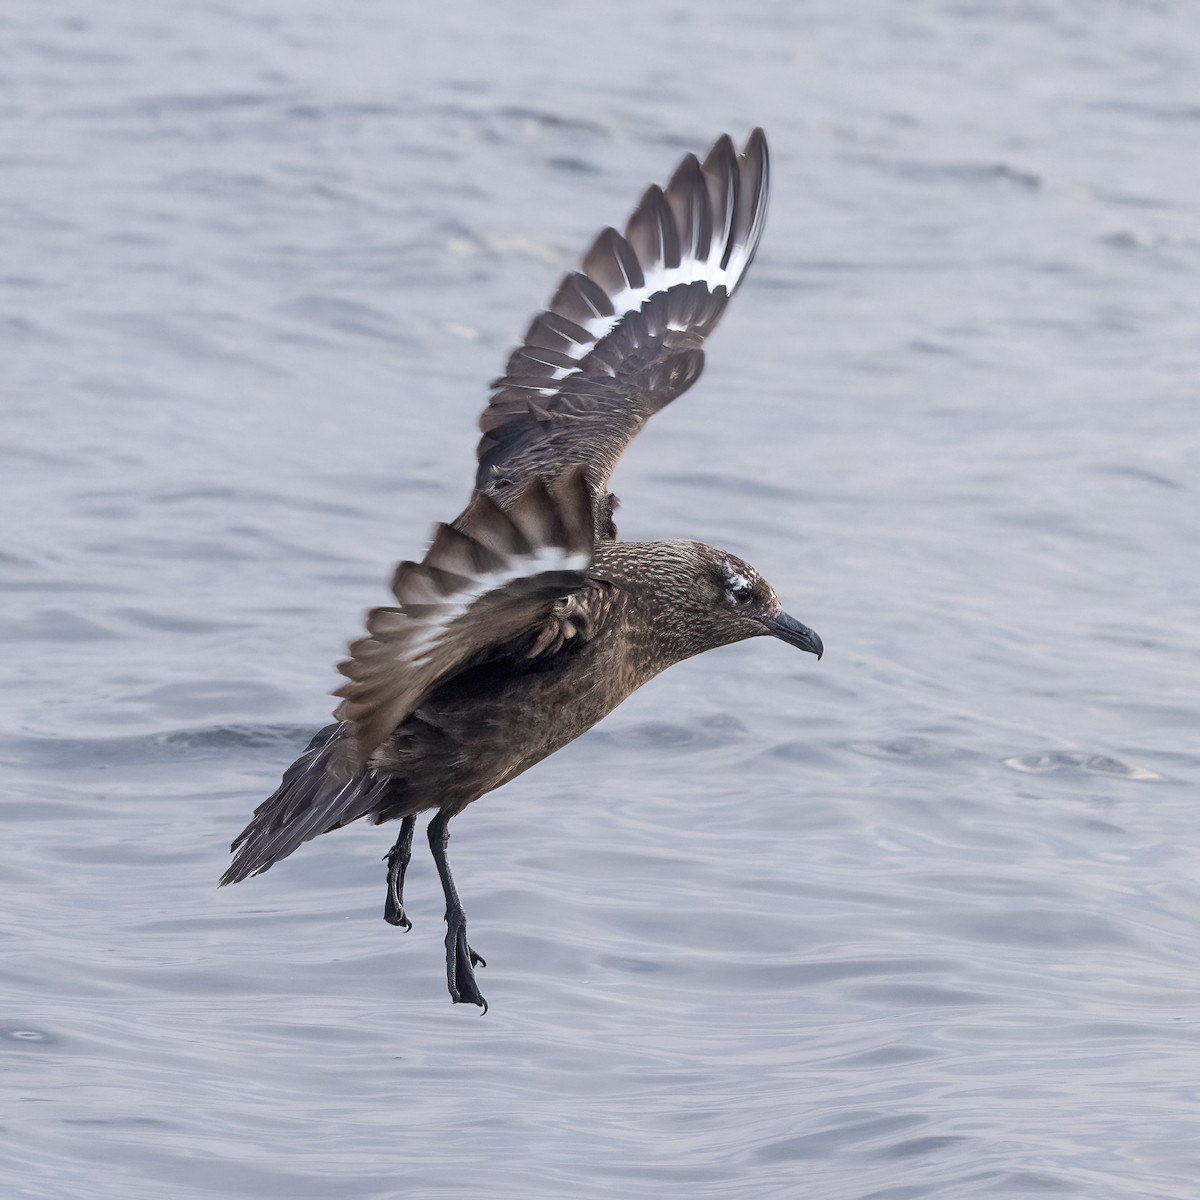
(789, 630)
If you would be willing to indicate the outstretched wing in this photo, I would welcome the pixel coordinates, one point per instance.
(622, 338)
(475, 593)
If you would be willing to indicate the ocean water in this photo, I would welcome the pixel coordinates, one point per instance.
(920, 920)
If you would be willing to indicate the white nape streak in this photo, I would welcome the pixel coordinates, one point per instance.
(523, 566)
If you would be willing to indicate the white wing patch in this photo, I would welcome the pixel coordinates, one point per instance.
(660, 278)
(524, 567)
(718, 260)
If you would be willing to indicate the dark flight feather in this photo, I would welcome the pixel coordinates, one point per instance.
(320, 791)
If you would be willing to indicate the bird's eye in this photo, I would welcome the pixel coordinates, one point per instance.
(740, 591)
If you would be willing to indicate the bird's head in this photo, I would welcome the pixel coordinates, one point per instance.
(724, 600)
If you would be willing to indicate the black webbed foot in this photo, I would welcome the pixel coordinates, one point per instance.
(397, 860)
(461, 960)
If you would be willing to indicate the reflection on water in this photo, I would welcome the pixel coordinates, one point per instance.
(918, 921)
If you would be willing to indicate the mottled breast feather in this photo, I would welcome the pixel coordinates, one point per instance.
(622, 338)
(504, 587)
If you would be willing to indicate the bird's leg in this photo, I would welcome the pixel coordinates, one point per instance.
(460, 958)
(397, 860)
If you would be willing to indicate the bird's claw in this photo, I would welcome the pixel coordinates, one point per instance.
(393, 912)
(461, 962)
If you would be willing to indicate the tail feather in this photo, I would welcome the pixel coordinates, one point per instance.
(318, 793)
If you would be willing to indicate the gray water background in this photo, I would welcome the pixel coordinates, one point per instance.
(917, 921)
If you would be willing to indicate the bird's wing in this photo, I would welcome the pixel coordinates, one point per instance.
(503, 586)
(320, 791)
(622, 338)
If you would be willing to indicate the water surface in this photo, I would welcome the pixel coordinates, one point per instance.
(917, 921)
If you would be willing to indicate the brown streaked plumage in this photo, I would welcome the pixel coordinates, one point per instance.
(527, 621)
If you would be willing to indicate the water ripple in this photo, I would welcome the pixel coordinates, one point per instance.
(898, 925)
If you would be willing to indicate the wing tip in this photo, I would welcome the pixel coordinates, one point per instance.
(705, 226)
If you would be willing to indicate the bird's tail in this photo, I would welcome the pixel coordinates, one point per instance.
(318, 793)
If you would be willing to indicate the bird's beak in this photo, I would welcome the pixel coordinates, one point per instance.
(791, 631)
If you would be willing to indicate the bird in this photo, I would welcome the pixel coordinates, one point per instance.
(528, 620)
